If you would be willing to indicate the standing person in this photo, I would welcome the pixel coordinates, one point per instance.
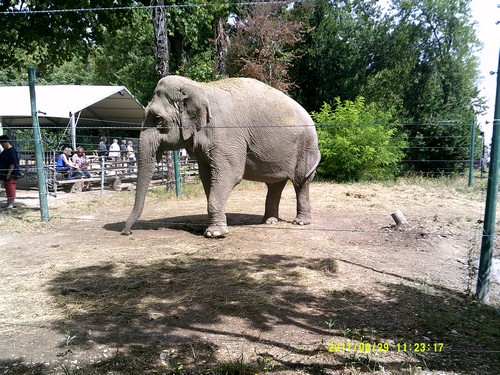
(114, 152)
(9, 171)
(123, 152)
(183, 155)
(102, 148)
(131, 156)
(65, 165)
(80, 159)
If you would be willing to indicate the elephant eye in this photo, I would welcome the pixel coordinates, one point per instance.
(158, 120)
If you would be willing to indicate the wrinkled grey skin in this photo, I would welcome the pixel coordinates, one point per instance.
(237, 128)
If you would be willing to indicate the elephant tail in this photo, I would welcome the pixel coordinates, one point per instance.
(314, 166)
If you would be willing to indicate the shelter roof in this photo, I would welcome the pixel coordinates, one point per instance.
(92, 106)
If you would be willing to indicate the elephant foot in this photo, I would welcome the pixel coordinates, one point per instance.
(216, 231)
(302, 220)
(126, 232)
(271, 220)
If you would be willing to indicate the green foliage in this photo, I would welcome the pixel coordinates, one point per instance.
(12, 73)
(73, 72)
(437, 88)
(127, 58)
(417, 60)
(190, 38)
(53, 37)
(341, 49)
(51, 139)
(358, 141)
(201, 68)
(430, 63)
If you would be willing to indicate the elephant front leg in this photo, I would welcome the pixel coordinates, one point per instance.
(303, 205)
(271, 215)
(216, 230)
(219, 192)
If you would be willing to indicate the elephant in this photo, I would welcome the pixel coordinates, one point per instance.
(237, 128)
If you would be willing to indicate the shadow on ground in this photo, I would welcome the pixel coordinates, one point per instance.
(172, 315)
(194, 224)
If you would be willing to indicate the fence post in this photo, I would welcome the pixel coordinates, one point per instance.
(42, 185)
(177, 174)
(483, 278)
(471, 159)
(103, 172)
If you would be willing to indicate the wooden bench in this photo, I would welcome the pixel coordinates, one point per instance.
(78, 182)
(114, 174)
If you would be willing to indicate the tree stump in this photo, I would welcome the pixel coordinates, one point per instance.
(400, 219)
(117, 184)
(77, 187)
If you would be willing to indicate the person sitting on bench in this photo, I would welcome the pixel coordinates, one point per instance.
(65, 165)
(81, 161)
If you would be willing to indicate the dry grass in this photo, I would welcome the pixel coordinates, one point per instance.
(265, 299)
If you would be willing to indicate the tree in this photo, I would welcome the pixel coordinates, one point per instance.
(125, 57)
(55, 37)
(417, 59)
(429, 60)
(438, 89)
(339, 51)
(358, 141)
(50, 35)
(190, 33)
(261, 46)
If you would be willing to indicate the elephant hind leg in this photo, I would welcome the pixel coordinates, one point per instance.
(303, 205)
(271, 215)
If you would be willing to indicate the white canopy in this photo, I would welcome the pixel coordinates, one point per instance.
(90, 105)
(71, 105)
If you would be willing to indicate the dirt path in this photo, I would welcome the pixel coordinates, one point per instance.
(76, 295)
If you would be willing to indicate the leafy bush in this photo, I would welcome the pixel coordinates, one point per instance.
(358, 141)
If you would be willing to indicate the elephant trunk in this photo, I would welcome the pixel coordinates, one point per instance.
(149, 143)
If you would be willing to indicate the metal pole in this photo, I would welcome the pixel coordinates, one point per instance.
(73, 130)
(103, 172)
(177, 174)
(482, 163)
(42, 185)
(472, 144)
(483, 278)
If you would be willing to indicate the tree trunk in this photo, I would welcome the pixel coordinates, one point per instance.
(162, 61)
(221, 42)
(400, 218)
(170, 175)
(178, 49)
(160, 25)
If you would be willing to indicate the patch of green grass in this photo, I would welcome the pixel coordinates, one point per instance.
(236, 366)
(194, 190)
(187, 191)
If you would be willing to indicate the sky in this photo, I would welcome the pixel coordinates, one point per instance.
(486, 13)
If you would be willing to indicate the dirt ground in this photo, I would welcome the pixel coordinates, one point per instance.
(349, 294)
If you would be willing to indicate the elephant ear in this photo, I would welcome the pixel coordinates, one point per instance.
(195, 110)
